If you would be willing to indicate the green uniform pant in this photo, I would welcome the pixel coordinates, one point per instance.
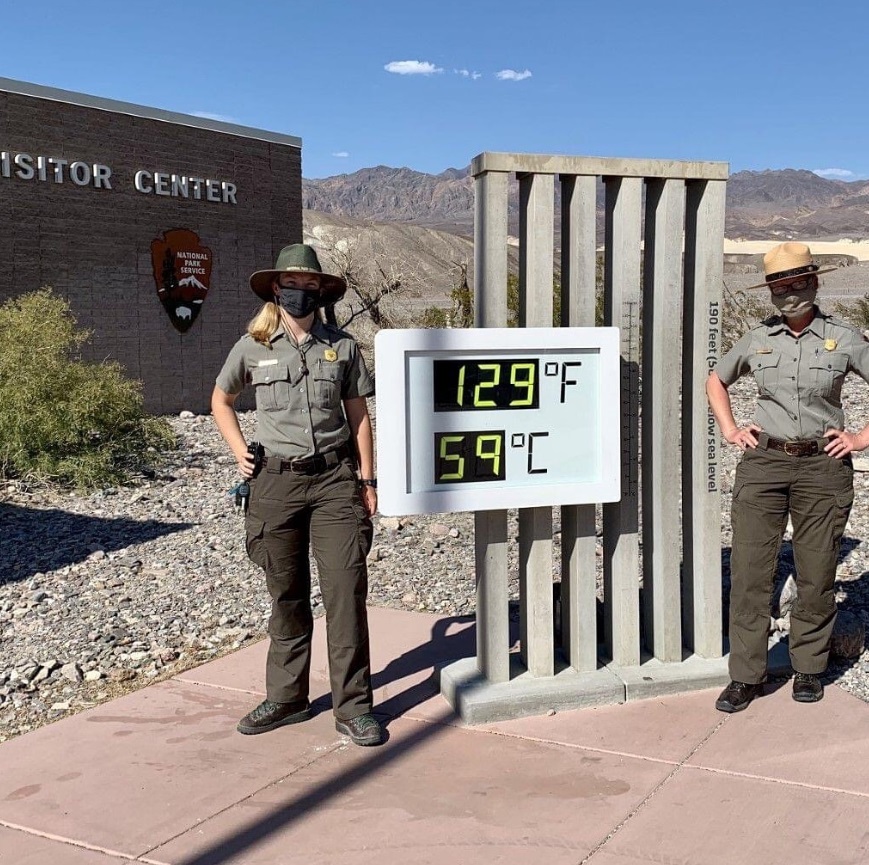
(288, 514)
(817, 491)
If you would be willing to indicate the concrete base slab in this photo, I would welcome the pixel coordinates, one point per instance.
(477, 701)
(655, 678)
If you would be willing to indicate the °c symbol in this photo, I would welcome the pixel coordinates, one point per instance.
(517, 440)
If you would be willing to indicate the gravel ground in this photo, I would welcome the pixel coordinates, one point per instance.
(104, 593)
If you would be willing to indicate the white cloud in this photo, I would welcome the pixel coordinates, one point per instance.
(341, 154)
(839, 173)
(412, 67)
(207, 115)
(466, 73)
(512, 75)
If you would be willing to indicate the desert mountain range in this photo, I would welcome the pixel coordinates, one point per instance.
(761, 205)
(417, 229)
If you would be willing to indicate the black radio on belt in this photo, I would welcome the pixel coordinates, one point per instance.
(242, 491)
(258, 452)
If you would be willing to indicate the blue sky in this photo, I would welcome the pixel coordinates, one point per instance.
(428, 84)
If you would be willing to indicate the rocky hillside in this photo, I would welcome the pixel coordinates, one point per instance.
(760, 204)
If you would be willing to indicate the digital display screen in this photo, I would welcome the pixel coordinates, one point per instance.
(473, 456)
(476, 419)
(486, 385)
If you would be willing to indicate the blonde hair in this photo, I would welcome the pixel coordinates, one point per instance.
(263, 325)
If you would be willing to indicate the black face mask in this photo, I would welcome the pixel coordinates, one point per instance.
(299, 302)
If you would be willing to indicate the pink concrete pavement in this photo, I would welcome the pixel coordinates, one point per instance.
(161, 776)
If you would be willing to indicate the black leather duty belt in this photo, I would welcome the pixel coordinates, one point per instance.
(315, 464)
(803, 448)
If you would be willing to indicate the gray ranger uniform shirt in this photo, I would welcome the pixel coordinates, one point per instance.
(299, 389)
(799, 377)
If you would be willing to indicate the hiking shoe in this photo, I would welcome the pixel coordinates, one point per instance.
(736, 696)
(807, 688)
(362, 730)
(269, 716)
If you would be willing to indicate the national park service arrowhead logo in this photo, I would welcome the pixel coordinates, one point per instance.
(182, 271)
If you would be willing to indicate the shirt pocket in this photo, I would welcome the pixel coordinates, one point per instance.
(327, 384)
(827, 373)
(272, 386)
(766, 371)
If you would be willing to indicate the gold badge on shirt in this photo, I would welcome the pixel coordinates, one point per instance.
(830, 344)
(330, 354)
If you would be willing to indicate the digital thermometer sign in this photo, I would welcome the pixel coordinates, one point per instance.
(495, 418)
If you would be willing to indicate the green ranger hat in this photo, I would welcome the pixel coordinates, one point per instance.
(298, 258)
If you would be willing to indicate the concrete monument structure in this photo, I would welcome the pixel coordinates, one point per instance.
(664, 231)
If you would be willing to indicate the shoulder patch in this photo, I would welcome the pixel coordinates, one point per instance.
(335, 332)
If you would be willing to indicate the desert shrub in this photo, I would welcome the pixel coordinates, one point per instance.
(62, 419)
(434, 317)
(741, 310)
(855, 311)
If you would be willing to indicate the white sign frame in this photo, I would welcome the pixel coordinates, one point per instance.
(395, 350)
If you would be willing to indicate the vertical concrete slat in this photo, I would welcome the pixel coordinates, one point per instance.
(621, 519)
(536, 212)
(662, 308)
(578, 530)
(701, 496)
(490, 527)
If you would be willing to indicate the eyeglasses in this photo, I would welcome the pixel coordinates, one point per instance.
(780, 289)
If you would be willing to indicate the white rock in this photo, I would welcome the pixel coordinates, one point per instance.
(72, 672)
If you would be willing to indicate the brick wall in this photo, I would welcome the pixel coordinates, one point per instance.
(93, 246)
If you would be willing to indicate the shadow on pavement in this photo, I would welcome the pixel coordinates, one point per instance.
(35, 541)
(443, 648)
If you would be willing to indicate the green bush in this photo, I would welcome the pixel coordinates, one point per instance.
(62, 419)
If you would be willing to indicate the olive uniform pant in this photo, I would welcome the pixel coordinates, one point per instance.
(817, 491)
(289, 513)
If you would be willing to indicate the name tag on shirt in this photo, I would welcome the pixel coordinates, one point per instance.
(267, 362)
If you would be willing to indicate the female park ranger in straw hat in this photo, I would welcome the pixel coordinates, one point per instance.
(311, 383)
(796, 462)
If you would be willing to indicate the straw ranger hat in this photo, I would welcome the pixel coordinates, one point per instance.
(788, 260)
(298, 258)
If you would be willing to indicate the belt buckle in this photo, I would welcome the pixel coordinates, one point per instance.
(312, 465)
(797, 449)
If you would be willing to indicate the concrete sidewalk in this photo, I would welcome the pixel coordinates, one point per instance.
(161, 776)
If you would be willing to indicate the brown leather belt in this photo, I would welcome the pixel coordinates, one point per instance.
(800, 448)
(313, 465)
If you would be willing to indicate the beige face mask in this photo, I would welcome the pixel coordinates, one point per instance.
(795, 303)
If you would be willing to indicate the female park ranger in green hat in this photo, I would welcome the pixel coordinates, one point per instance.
(316, 488)
(796, 462)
